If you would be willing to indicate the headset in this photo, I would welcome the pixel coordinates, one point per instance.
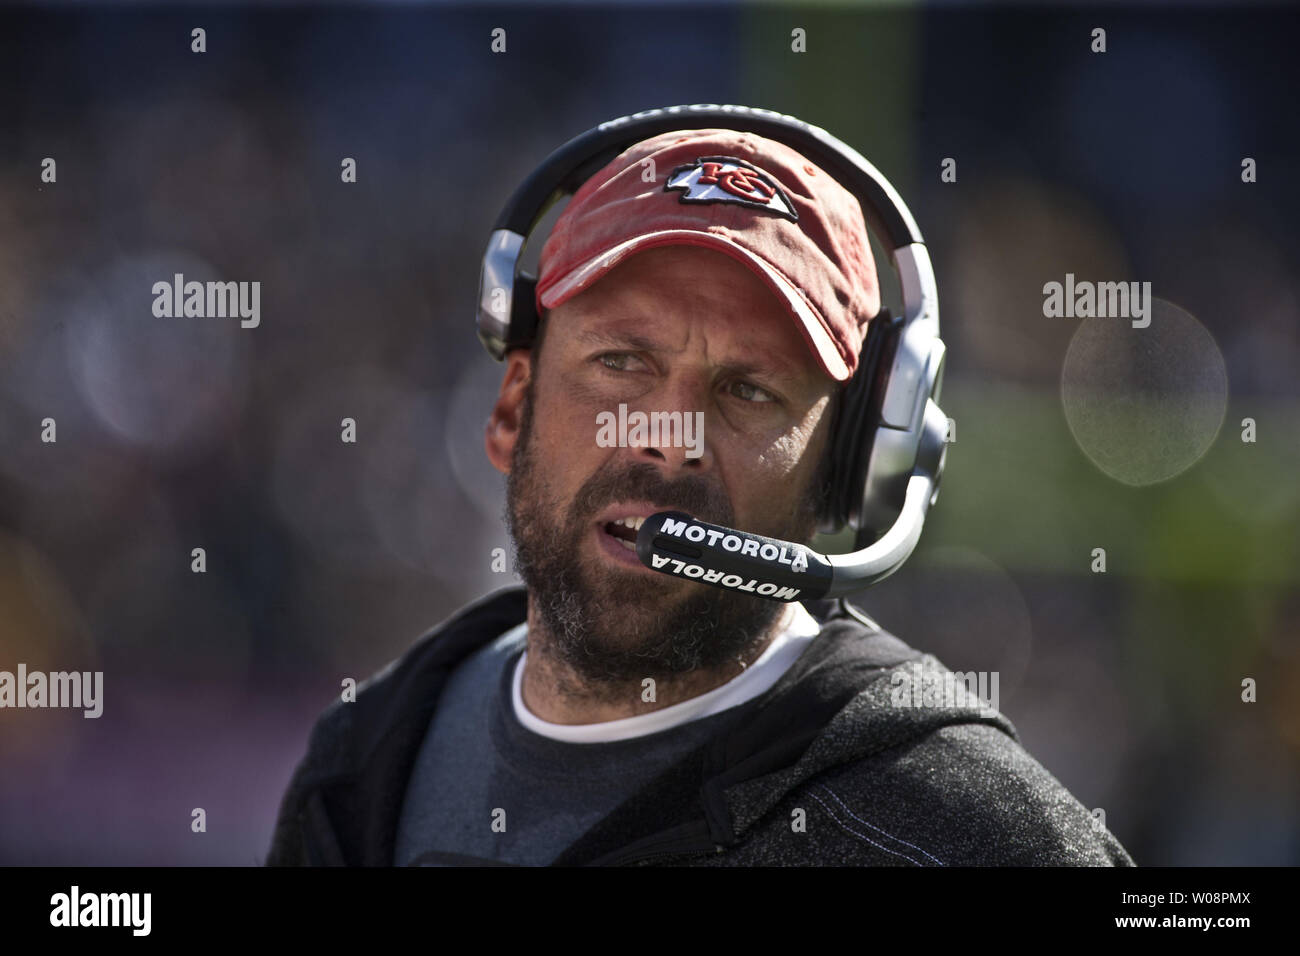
(888, 439)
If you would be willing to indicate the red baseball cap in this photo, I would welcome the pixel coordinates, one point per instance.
(754, 199)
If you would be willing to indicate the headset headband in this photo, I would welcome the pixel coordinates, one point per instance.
(565, 169)
(568, 167)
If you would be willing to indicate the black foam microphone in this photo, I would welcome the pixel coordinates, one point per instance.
(677, 544)
(672, 542)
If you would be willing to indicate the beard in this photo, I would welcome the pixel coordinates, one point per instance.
(612, 625)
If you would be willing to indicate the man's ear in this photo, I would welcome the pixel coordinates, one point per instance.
(503, 424)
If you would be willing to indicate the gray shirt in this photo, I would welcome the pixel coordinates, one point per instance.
(487, 787)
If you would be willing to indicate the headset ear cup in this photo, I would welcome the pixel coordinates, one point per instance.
(523, 312)
(849, 429)
(855, 424)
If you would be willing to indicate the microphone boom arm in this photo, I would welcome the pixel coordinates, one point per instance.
(672, 542)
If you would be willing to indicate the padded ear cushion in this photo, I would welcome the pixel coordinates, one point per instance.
(849, 425)
(856, 418)
(523, 312)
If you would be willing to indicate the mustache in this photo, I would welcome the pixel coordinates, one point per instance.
(692, 494)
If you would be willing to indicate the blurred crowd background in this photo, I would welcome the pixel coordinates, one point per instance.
(325, 560)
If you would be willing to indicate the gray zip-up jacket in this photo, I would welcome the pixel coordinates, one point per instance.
(825, 768)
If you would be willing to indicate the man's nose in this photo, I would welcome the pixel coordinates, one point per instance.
(676, 434)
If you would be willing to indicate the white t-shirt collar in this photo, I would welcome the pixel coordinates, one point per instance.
(799, 627)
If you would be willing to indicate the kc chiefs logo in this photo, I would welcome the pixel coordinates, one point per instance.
(727, 179)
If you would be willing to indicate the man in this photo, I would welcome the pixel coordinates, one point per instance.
(609, 714)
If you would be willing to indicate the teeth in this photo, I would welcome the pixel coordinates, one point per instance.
(633, 523)
(627, 544)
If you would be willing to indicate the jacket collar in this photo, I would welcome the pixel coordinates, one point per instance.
(825, 710)
(363, 782)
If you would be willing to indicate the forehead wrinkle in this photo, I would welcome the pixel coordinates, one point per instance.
(764, 362)
(767, 365)
(621, 338)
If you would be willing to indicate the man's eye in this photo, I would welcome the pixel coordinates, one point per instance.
(751, 393)
(615, 361)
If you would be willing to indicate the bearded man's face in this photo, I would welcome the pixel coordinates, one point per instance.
(669, 330)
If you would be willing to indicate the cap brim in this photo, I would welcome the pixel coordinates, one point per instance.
(809, 322)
